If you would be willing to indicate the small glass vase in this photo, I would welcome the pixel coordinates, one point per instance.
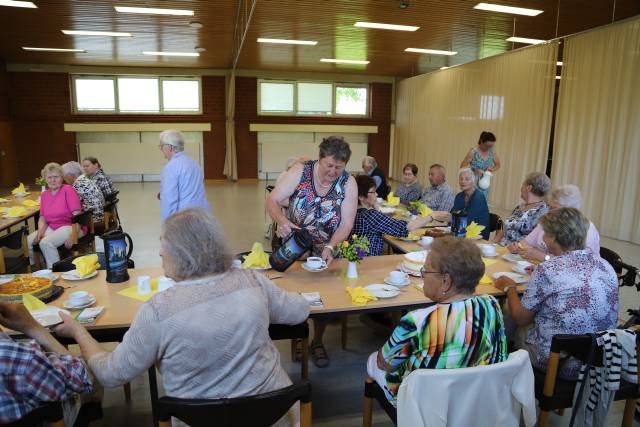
(43, 188)
(352, 270)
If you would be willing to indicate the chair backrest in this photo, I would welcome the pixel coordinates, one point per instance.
(49, 412)
(83, 218)
(495, 222)
(252, 411)
(456, 397)
(14, 240)
(627, 274)
(111, 197)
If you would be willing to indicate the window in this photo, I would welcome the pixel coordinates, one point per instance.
(351, 100)
(304, 98)
(95, 94)
(136, 95)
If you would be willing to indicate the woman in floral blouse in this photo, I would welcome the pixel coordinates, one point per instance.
(91, 197)
(409, 189)
(525, 216)
(93, 170)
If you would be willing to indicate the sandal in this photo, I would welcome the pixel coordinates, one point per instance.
(319, 355)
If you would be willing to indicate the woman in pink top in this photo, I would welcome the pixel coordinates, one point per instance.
(58, 205)
(533, 247)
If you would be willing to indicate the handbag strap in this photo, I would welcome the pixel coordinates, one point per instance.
(585, 378)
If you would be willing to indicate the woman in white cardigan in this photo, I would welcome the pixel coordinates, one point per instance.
(208, 334)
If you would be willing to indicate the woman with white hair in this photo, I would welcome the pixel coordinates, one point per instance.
(533, 246)
(91, 197)
(470, 200)
(208, 334)
(525, 216)
(58, 205)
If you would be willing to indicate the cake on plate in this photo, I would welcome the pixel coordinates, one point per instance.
(13, 291)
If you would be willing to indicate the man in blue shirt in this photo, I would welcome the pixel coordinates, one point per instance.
(182, 179)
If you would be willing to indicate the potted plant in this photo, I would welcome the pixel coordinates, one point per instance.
(354, 251)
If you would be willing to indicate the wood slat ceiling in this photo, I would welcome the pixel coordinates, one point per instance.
(445, 25)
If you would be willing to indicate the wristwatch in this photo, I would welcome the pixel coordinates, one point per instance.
(547, 257)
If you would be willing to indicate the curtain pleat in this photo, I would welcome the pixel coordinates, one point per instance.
(230, 158)
(597, 135)
(439, 117)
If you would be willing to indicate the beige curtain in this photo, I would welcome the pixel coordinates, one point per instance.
(440, 115)
(231, 158)
(597, 138)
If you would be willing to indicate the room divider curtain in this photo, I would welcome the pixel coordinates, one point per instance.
(231, 157)
(440, 115)
(597, 137)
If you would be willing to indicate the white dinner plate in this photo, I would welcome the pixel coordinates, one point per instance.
(388, 281)
(48, 316)
(518, 278)
(314, 270)
(46, 275)
(73, 275)
(512, 257)
(67, 304)
(383, 291)
(7, 278)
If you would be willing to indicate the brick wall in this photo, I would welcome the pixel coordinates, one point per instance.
(247, 113)
(40, 104)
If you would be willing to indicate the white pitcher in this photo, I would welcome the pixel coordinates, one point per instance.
(485, 181)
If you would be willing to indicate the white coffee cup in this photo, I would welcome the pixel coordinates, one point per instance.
(315, 262)
(522, 265)
(164, 283)
(488, 250)
(79, 298)
(398, 277)
(144, 285)
(426, 241)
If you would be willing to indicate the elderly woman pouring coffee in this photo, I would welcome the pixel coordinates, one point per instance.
(322, 199)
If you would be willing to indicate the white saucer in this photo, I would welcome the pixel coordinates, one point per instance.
(512, 257)
(314, 270)
(518, 278)
(515, 269)
(397, 285)
(490, 256)
(48, 316)
(73, 275)
(383, 291)
(67, 304)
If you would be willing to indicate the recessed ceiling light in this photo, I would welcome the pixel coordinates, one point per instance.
(508, 9)
(12, 3)
(525, 40)
(430, 51)
(95, 33)
(146, 52)
(284, 41)
(51, 49)
(558, 77)
(559, 63)
(153, 11)
(385, 26)
(344, 61)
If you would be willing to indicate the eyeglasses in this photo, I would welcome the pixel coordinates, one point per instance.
(423, 272)
(372, 192)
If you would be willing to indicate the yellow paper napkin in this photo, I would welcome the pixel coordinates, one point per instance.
(425, 211)
(488, 262)
(360, 296)
(132, 292)
(474, 230)
(16, 211)
(392, 200)
(86, 264)
(19, 189)
(486, 280)
(257, 258)
(31, 204)
(32, 303)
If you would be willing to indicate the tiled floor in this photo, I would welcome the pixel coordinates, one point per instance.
(337, 390)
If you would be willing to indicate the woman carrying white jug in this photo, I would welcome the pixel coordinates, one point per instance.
(484, 161)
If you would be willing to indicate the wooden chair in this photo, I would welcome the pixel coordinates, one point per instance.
(495, 222)
(111, 218)
(557, 394)
(294, 333)
(252, 411)
(373, 391)
(50, 413)
(15, 241)
(84, 219)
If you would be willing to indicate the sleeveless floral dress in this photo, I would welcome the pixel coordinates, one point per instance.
(478, 162)
(320, 216)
